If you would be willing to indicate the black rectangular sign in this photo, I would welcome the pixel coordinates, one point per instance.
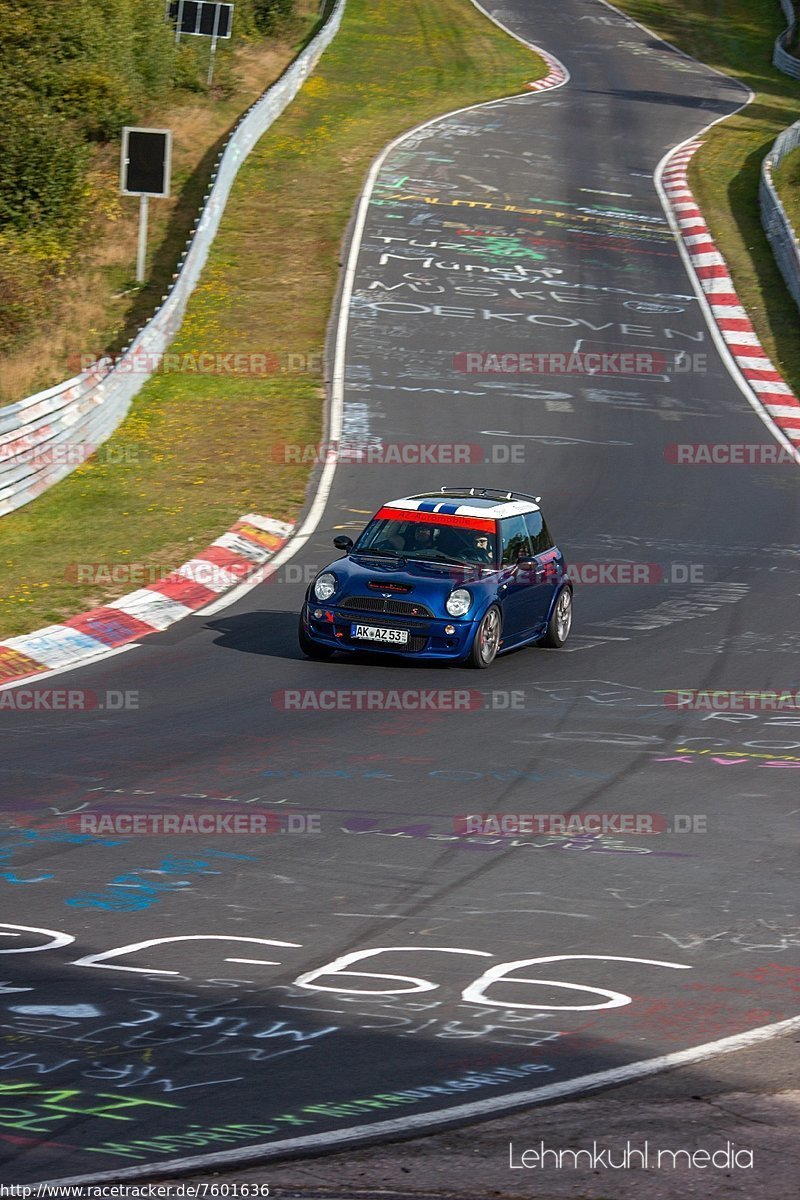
(202, 18)
(146, 157)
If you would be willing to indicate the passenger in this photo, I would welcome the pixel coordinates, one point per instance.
(393, 541)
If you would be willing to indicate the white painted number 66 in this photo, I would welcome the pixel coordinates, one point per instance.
(475, 993)
(337, 971)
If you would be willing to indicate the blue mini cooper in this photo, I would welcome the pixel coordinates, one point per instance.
(459, 575)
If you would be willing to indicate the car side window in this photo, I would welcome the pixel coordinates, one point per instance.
(538, 532)
(515, 540)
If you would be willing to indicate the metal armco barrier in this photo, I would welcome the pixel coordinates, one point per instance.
(46, 436)
(781, 58)
(778, 227)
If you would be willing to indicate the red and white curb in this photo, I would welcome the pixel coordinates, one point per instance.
(772, 396)
(238, 553)
(557, 74)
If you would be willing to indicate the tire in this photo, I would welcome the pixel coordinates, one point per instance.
(560, 622)
(310, 648)
(486, 641)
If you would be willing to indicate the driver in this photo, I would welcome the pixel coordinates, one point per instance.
(479, 550)
(421, 538)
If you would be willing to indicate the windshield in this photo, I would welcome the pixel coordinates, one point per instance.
(404, 536)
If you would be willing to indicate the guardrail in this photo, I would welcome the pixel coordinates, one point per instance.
(46, 436)
(781, 58)
(777, 226)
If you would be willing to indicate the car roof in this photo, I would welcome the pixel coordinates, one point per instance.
(467, 503)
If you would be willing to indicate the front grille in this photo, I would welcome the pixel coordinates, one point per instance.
(377, 604)
(414, 643)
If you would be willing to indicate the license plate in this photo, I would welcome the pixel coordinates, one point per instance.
(371, 633)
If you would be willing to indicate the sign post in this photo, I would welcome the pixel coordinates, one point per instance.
(141, 253)
(145, 167)
(214, 36)
(202, 18)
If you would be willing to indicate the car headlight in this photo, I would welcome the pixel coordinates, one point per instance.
(458, 602)
(324, 586)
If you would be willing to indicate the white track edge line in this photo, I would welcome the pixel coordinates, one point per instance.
(425, 1122)
(31, 680)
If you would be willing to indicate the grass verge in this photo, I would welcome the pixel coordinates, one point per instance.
(198, 450)
(737, 37)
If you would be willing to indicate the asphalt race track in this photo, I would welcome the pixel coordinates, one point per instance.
(388, 968)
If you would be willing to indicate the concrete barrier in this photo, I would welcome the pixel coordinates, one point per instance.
(777, 226)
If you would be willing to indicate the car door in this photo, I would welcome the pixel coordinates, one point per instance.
(548, 567)
(515, 590)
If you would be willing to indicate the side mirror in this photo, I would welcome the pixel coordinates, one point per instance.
(343, 542)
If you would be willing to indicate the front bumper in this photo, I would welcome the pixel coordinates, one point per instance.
(426, 635)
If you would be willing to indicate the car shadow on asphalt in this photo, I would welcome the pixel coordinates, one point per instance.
(271, 633)
(274, 634)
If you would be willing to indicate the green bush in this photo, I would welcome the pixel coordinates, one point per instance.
(189, 73)
(23, 298)
(153, 49)
(270, 15)
(99, 104)
(42, 166)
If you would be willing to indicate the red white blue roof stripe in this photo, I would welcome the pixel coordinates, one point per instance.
(453, 506)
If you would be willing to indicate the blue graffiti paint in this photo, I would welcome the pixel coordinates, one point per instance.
(137, 889)
(20, 839)
(12, 877)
